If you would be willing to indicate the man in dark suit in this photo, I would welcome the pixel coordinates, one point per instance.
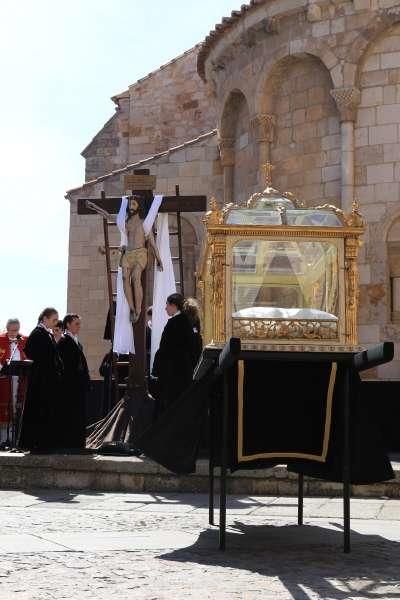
(174, 361)
(76, 384)
(39, 425)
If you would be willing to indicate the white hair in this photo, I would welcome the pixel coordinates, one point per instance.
(12, 322)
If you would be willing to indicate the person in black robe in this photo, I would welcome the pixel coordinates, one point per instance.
(75, 385)
(192, 311)
(39, 421)
(174, 361)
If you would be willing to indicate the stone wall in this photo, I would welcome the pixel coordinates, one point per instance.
(377, 163)
(164, 109)
(321, 84)
(169, 107)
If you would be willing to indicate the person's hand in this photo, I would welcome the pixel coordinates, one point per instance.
(160, 266)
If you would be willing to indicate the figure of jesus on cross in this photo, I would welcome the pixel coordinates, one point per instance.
(134, 256)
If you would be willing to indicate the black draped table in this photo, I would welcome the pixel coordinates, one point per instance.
(265, 408)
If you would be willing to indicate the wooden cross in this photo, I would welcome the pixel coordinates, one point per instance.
(144, 184)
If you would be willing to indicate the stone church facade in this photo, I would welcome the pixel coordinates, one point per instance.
(313, 86)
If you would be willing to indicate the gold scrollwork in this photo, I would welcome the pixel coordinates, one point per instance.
(285, 329)
(352, 292)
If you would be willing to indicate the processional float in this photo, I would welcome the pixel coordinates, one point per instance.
(278, 285)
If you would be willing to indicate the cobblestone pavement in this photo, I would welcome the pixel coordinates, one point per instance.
(93, 546)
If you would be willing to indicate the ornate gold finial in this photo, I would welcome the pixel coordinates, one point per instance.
(267, 168)
(355, 207)
(213, 204)
(214, 215)
(354, 219)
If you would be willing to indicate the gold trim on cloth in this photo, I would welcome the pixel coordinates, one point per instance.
(328, 417)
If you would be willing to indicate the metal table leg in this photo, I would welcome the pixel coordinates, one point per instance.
(224, 458)
(300, 499)
(346, 461)
(211, 462)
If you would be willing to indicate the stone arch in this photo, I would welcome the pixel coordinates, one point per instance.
(378, 27)
(305, 145)
(236, 149)
(276, 65)
(232, 101)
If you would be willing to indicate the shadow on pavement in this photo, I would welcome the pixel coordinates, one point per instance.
(308, 561)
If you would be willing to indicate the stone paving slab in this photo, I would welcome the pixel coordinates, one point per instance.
(107, 546)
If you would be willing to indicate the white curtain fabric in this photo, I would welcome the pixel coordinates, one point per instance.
(164, 285)
(123, 332)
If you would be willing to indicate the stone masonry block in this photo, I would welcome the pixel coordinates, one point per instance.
(331, 173)
(380, 173)
(373, 213)
(320, 29)
(189, 169)
(372, 96)
(362, 4)
(338, 25)
(366, 116)
(391, 152)
(390, 43)
(383, 134)
(366, 193)
(389, 113)
(390, 60)
(330, 142)
(369, 155)
(372, 63)
(361, 137)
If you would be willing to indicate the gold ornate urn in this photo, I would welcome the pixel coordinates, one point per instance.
(281, 276)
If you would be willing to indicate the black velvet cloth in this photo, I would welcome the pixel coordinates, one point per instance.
(369, 462)
(174, 439)
(75, 387)
(174, 361)
(290, 417)
(284, 410)
(40, 418)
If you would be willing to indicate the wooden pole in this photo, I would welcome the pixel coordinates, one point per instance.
(179, 224)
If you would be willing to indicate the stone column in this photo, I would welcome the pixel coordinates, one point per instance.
(227, 154)
(263, 126)
(347, 100)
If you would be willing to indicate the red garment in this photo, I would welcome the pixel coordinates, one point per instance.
(5, 387)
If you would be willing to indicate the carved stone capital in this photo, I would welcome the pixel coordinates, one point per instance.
(227, 151)
(263, 126)
(314, 13)
(347, 99)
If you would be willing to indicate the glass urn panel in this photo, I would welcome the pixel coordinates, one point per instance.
(285, 289)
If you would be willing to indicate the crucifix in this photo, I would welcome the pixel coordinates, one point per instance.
(135, 266)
